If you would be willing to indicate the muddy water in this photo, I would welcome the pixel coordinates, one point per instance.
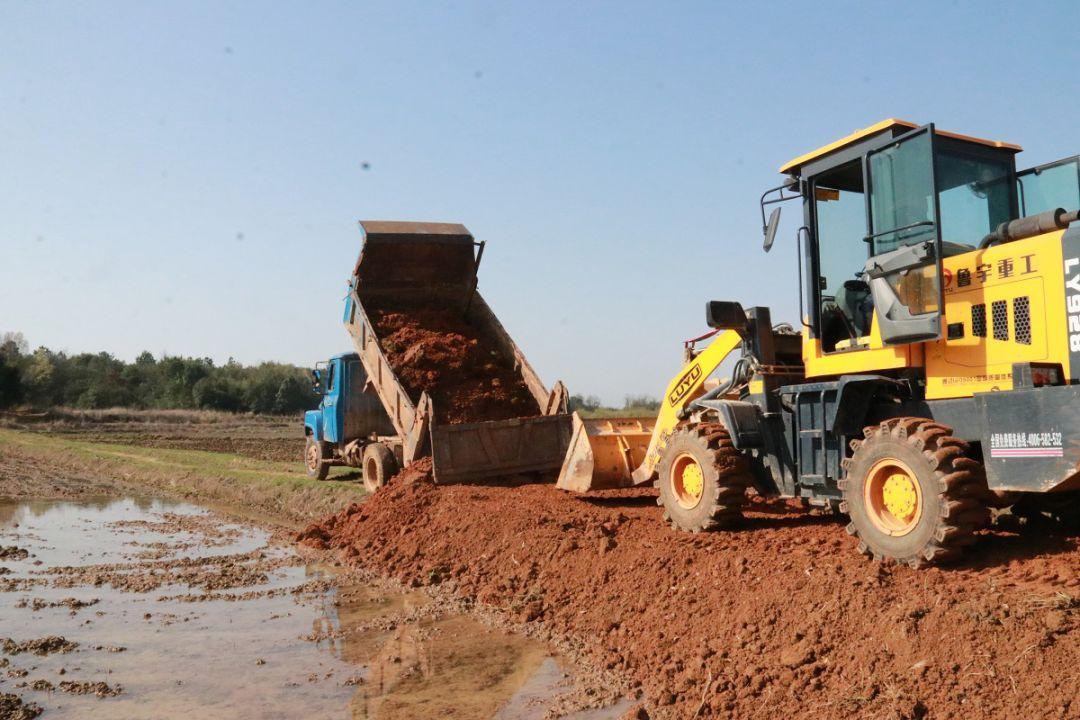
(191, 616)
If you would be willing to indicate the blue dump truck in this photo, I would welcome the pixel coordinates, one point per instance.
(367, 419)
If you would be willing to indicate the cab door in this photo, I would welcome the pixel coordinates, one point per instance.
(331, 400)
(904, 269)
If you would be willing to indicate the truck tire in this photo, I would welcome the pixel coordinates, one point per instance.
(379, 465)
(702, 479)
(912, 492)
(316, 452)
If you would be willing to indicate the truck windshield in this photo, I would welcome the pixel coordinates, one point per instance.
(974, 194)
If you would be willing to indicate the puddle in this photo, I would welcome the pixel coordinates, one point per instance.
(195, 616)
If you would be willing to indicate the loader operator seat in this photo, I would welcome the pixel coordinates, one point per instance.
(855, 300)
(848, 316)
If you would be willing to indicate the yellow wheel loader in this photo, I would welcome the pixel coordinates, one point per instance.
(936, 372)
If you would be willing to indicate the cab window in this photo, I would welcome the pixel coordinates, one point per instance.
(974, 194)
(844, 308)
(1048, 188)
(902, 194)
(330, 377)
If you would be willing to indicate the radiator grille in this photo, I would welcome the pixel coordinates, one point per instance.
(978, 320)
(1000, 311)
(1022, 320)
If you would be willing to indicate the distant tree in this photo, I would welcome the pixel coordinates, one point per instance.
(13, 344)
(218, 393)
(293, 395)
(178, 378)
(99, 380)
(39, 374)
(589, 403)
(641, 402)
(11, 391)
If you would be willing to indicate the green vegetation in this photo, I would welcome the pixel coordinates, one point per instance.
(45, 378)
(280, 490)
(633, 406)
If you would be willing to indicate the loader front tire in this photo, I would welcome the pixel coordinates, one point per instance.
(702, 479)
(379, 466)
(316, 453)
(913, 493)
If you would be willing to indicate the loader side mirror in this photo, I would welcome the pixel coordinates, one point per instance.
(771, 227)
(726, 315)
(316, 382)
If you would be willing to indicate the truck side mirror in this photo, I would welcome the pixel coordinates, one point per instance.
(316, 382)
(771, 227)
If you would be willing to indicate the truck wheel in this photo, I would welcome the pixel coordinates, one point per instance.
(315, 453)
(912, 493)
(379, 466)
(702, 479)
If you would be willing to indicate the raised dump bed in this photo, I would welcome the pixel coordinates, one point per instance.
(451, 379)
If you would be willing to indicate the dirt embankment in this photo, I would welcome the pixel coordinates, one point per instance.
(778, 619)
(434, 350)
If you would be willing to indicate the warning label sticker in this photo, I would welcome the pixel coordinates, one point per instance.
(1026, 445)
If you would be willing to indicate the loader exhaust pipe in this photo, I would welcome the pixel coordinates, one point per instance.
(1056, 219)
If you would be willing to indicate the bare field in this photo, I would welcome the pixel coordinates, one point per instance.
(261, 437)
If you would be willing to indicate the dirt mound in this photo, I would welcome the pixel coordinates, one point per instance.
(13, 553)
(780, 614)
(13, 708)
(468, 377)
(40, 646)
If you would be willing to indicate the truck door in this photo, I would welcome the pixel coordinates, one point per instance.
(904, 270)
(331, 397)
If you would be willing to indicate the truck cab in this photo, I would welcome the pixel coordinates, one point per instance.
(349, 424)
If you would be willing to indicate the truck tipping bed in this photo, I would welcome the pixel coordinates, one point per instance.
(408, 265)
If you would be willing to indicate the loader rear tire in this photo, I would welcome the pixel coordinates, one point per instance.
(316, 453)
(379, 465)
(913, 493)
(702, 479)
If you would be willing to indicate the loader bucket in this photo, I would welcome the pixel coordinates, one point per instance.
(604, 452)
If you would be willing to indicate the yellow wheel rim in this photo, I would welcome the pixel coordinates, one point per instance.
(687, 480)
(892, 497)
(313, 457)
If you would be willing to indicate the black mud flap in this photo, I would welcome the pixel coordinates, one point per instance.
(741, 419)
(1031, 441)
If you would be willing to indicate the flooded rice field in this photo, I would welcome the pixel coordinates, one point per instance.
(133, 608)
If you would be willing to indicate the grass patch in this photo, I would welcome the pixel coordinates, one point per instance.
(279, 489)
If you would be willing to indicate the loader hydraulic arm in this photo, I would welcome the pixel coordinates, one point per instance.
(683, 389)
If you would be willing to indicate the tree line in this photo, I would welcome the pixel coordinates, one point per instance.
(44, 378)
(633, 405)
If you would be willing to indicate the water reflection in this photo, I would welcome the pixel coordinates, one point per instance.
(300, 644)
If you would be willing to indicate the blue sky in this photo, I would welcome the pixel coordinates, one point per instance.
(186, 177)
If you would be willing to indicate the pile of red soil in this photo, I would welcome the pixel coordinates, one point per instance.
(778, 619)
(434, 350)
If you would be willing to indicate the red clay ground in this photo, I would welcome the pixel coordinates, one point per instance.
(433, 349)
(780, 619)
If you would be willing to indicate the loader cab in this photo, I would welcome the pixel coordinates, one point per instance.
(881, 209)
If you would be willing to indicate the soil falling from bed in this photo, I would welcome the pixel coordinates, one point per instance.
(434, 350)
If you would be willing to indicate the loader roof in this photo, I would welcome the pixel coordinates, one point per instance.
(890, 125)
